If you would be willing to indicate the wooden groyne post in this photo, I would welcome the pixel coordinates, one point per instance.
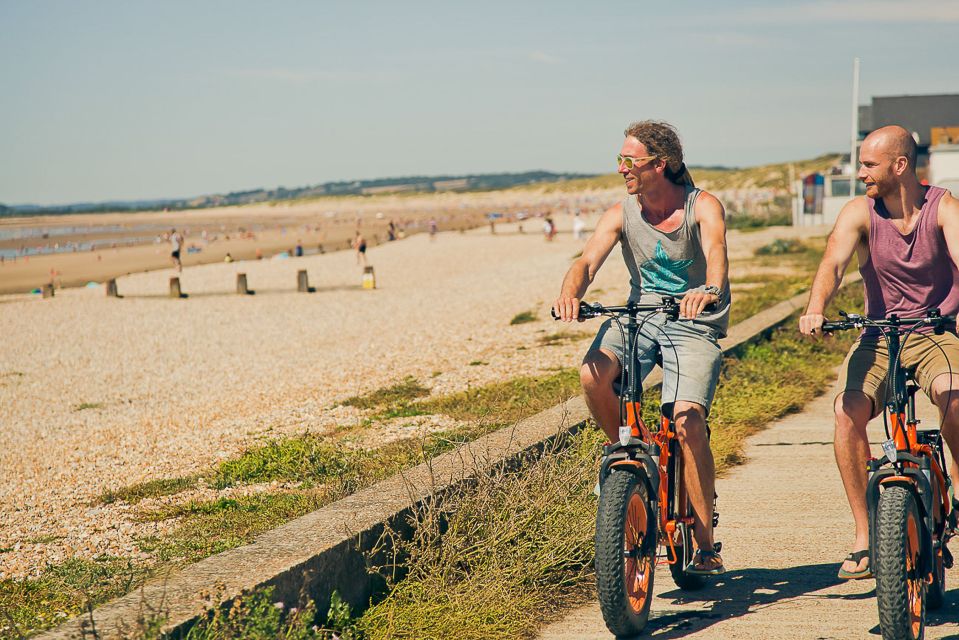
(241, 287)
(47, 290)
(112, 288)
(175, 291)
(303, 282)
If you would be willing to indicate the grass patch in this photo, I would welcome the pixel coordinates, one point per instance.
(746, 223)
(258, 616)
(45, 539)
(773, 291)
(523, 317)
(63, 590)
(149, 489)
(308, 459)
(509, 401)
(401, 393)
(210, 527)
(514, 550)
(83, 406)
(781, 246)
(562, 337)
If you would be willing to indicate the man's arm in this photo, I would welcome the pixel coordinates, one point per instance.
(711, 218)
(851, 226)
(584, 268)
(949, 223)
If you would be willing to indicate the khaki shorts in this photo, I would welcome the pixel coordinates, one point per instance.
(866, 363)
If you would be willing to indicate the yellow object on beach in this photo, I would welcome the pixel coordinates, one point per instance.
(369, 278)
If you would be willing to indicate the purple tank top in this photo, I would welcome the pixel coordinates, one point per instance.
(908, 274)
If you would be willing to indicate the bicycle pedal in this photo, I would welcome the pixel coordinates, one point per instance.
(717, 547)
(715, 518)
(946, 557)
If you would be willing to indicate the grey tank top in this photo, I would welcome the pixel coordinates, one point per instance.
(673, 263)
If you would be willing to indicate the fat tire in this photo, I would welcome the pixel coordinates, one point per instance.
(621, 618)
(896, 505)
(683, 580)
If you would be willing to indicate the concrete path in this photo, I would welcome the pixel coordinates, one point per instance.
(785, 525)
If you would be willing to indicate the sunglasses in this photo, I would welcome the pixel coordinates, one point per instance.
(629, 162)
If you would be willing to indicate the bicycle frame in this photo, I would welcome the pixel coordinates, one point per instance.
(652, 454)
(913, 459)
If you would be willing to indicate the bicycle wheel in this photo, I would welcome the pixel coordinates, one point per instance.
(684, 555)
(625, 553)
(900, 589)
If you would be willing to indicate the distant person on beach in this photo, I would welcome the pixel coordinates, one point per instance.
(228, 257)
(391, 232)
(359, 244)
(176, 243)
(433, 228)
(673, 241)
(579, 227)
(298, 252)
(549, 229)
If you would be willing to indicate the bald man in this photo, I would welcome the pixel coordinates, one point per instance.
(906, 237)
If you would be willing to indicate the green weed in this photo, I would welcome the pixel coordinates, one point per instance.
(562, 337)
(83, 406)
(62, 591)
(402, 392)
(149, 489)
(523, 317)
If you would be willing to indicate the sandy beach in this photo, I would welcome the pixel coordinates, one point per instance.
(72, 250)
(97, 393)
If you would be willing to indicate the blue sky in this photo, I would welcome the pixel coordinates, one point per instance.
(113, 100)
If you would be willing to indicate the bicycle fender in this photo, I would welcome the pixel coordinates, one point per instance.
(909, 482)
(641, 464)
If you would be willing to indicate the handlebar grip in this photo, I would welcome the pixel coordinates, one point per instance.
(834, 326)
(586, 311)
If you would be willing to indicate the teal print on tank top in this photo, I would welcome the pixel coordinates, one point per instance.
(664, 274)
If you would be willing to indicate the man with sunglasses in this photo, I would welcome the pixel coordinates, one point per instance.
(906, 238)
(673, 239)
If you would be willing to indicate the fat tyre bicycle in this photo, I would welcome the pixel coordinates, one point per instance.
(907, 495)
(644, 517)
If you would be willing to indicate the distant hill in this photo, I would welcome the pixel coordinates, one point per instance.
(716, 178)
(421, 184)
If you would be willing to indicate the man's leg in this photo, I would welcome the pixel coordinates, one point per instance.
(945, 395)
(851, 444)
(600, 369)
(689, 421)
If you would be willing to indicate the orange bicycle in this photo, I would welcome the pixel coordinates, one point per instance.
(644, 516)
(911, 518)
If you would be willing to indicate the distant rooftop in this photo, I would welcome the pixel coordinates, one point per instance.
(919, 114)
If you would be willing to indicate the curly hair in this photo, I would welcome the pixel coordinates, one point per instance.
(662, 140)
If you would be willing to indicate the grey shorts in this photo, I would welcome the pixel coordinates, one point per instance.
(691, 349)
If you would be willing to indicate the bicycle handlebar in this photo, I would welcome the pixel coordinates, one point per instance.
(856, 321)
(668, 306)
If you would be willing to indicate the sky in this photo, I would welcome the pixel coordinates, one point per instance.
(114, 100)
